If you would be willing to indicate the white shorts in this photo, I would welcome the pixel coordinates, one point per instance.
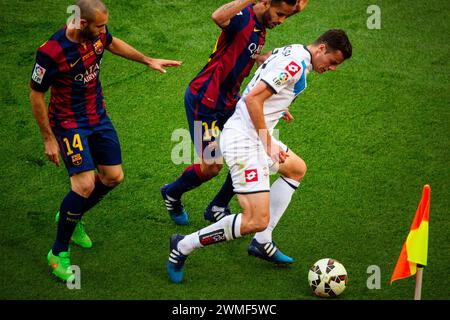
(247, 160)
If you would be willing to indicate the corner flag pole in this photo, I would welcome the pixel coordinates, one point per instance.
(418, 292)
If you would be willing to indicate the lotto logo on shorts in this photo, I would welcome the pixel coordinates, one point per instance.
(293, 68)
(251, 175)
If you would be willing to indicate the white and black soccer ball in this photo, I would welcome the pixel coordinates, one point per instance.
(327, 278)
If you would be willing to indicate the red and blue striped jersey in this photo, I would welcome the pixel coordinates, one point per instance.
(72, 71)
(218, 83)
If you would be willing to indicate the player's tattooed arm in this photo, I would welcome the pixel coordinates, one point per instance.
(51, 148)
(123, 49)
(223, 14)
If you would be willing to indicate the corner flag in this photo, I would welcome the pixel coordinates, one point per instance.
(415, 249)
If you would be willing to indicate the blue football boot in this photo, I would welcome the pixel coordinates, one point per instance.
(268, 251)
(175, 208)
(215, 213)
(176, 260)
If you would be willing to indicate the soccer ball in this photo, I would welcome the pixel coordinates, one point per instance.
(327, 278)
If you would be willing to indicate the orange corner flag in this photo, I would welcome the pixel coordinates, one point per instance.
(415, 249)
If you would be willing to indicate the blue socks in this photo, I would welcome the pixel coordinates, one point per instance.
(70, 213)
(225, 194)
(99, 192)
(191, 178)
(72, 209)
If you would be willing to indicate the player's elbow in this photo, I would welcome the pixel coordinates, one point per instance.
(214, 17)
(217, 18)
(252, 103)
(249, 100)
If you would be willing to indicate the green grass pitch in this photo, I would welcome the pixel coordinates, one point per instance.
(372, 134)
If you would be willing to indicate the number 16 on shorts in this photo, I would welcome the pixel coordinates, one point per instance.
(210, 132)
(206, 134)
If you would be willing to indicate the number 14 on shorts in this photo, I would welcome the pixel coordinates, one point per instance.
(76, 144)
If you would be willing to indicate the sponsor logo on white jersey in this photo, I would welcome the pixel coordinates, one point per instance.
(293, 68)
(281, 79)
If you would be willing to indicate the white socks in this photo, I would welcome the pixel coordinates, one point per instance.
(228, 228)
(281, 193)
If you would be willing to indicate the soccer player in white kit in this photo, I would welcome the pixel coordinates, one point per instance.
(251, 151)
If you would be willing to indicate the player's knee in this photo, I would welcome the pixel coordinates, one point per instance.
(216, 169)
(118, 179)
(301, 169)
(298, 171)
(210, 171)
(114, 179)
(84, 188)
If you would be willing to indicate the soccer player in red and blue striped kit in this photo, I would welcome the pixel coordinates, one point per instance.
(76, 123)
(211, 96)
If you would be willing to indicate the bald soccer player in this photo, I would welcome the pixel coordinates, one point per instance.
(76, 124)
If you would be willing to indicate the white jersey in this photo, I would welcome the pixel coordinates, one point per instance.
(285, 72)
